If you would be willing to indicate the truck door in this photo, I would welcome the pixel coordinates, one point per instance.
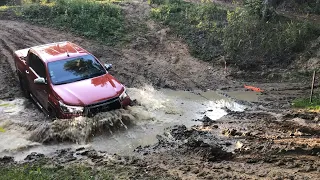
(36, 68)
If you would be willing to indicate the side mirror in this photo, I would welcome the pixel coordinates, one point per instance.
(40, 80)
(108, 66)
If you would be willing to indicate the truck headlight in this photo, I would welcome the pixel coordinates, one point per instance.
(123, 95)
(70, 109)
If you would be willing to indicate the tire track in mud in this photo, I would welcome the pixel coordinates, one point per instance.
(7, 51)
(20, 37)
(8, 83)
(14, 36)
(36, 36)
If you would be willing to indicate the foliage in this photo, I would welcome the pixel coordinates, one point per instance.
(4, 8)
(199, 24)
(101, 21)
(305, 103)
(29, 172)
(2, 130)
(254, 6)
(37, 1)
(3, 3)
(158, 2)
(303, 6)
(251, 42)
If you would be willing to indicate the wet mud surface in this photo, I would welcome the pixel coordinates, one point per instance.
(228, 133)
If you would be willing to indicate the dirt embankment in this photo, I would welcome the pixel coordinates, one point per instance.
(153, 57)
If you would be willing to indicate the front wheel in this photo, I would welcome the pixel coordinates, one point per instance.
(24, 87)
(52, 115)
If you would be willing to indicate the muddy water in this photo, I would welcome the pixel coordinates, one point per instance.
(23, 129)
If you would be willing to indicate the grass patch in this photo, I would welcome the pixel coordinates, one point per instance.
(249, 41)
(50, 169)
(305, 103)
(101, 21)
(30, 172)
(2, 130)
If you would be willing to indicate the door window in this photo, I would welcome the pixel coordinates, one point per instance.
(37, 65)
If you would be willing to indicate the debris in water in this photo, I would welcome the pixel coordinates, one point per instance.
(5, 105)
(239, 145)
(253, 88)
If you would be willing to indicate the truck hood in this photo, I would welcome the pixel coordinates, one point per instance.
(89, 91)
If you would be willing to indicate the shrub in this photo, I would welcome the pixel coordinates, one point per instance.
(249, 40)
(254, 6)
(306, 104)
(253, 43)
(302, 6)
(199, 24)
(102, 21)
(159, 2)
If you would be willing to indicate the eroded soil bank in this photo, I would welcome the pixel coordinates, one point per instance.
(227, 133)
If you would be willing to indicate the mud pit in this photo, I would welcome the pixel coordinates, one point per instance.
(196, 134)
(119, 131)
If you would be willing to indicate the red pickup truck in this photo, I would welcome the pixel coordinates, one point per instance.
(67, 81)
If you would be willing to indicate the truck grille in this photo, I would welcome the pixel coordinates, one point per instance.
(103, 106)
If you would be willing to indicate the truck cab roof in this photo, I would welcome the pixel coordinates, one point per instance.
(57, 51)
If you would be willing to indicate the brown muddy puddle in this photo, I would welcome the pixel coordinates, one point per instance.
(156, 110)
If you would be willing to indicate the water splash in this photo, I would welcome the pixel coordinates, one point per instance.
(149, 98)
(81, 129)
(226, 103)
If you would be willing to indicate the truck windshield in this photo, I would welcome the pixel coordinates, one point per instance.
(74, 69)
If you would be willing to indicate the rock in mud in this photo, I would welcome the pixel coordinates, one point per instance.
(232, 132)
(210, 152)
(179, 132)
(6, 160)
(207, 121)
(34, 156)
(64, 155)
(182, 141)
(80, 149)
(91, 154)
